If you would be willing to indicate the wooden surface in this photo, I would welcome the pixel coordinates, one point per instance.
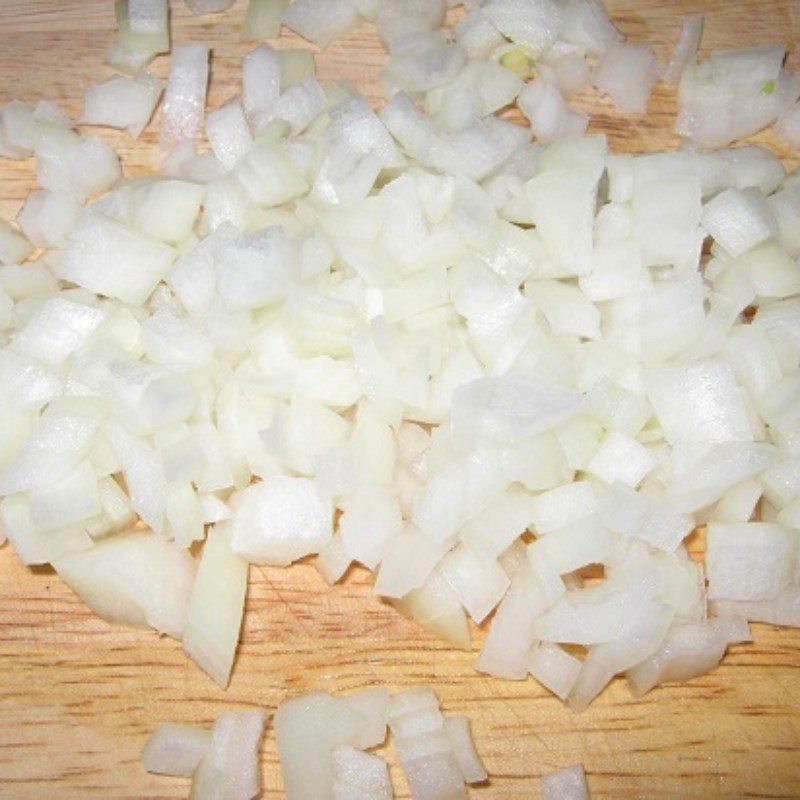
(78, 698)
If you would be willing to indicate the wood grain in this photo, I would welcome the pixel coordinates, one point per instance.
(78, 698)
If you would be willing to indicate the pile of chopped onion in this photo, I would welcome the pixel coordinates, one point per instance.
(489, 369)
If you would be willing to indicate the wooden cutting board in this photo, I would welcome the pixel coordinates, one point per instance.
(78, 698)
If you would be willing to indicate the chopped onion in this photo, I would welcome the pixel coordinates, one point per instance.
(185, 96)
(566, 784)
(148, 16)
(230, 766)
(14, 247)
(686, 49)
(263, 19)
(535, 25)
(216, 605)
(175, 749)
(228, 133)
(627, 74)
(320, 21)
(137, 579)
(458, 733)
(309, 729)
(787, 127)
(734, 94)
(143, 31)
(358, 774)
(415, 340)
(121, 103)
(548, 113)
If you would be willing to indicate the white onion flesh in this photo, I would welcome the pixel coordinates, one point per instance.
(263, 19)
(222, 762)
(627, 74)
(686, 48)
(320, 21)
(230, 766)
(120, 102)
(476, 357)
(734, 94)
(214, 614)
(566, 784)
(185, 96)
(175, 749)
(143, 33)
(136, 579)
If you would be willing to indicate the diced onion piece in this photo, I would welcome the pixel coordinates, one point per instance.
(214, 615)
(114, 260)
(480, 584)
(781, 610)
(688, 651)
(230, 766)
(320, 21)
(57, 330)
(477, 34)
(370, 519)
(228, 133)
(373, 706)
(333, 562)
(120, 102)
(261, 80)
(308, 729)
(296, 65)
(357, 774)
(734, 94)
(458, 733)
(32, 545)
(143, 33)
(588, 25)
(17, 130)
(749, 561)
(167, 209)
(407, 562)
(137, 579)
(262, 19)
(554, 668)
(280, 520)
(437, 608)
(47, 218)
(686, 49)
(183, 109)
(148, 16)
(698, 402)
(535, 25)
(422, 744)
(738, 220)
(627, 74)
(549, 115)
(787, 126)
(511, 636)
(14, 247)
(566, 784)
(175, 749)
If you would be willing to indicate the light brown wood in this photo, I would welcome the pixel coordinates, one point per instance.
(78, 698)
